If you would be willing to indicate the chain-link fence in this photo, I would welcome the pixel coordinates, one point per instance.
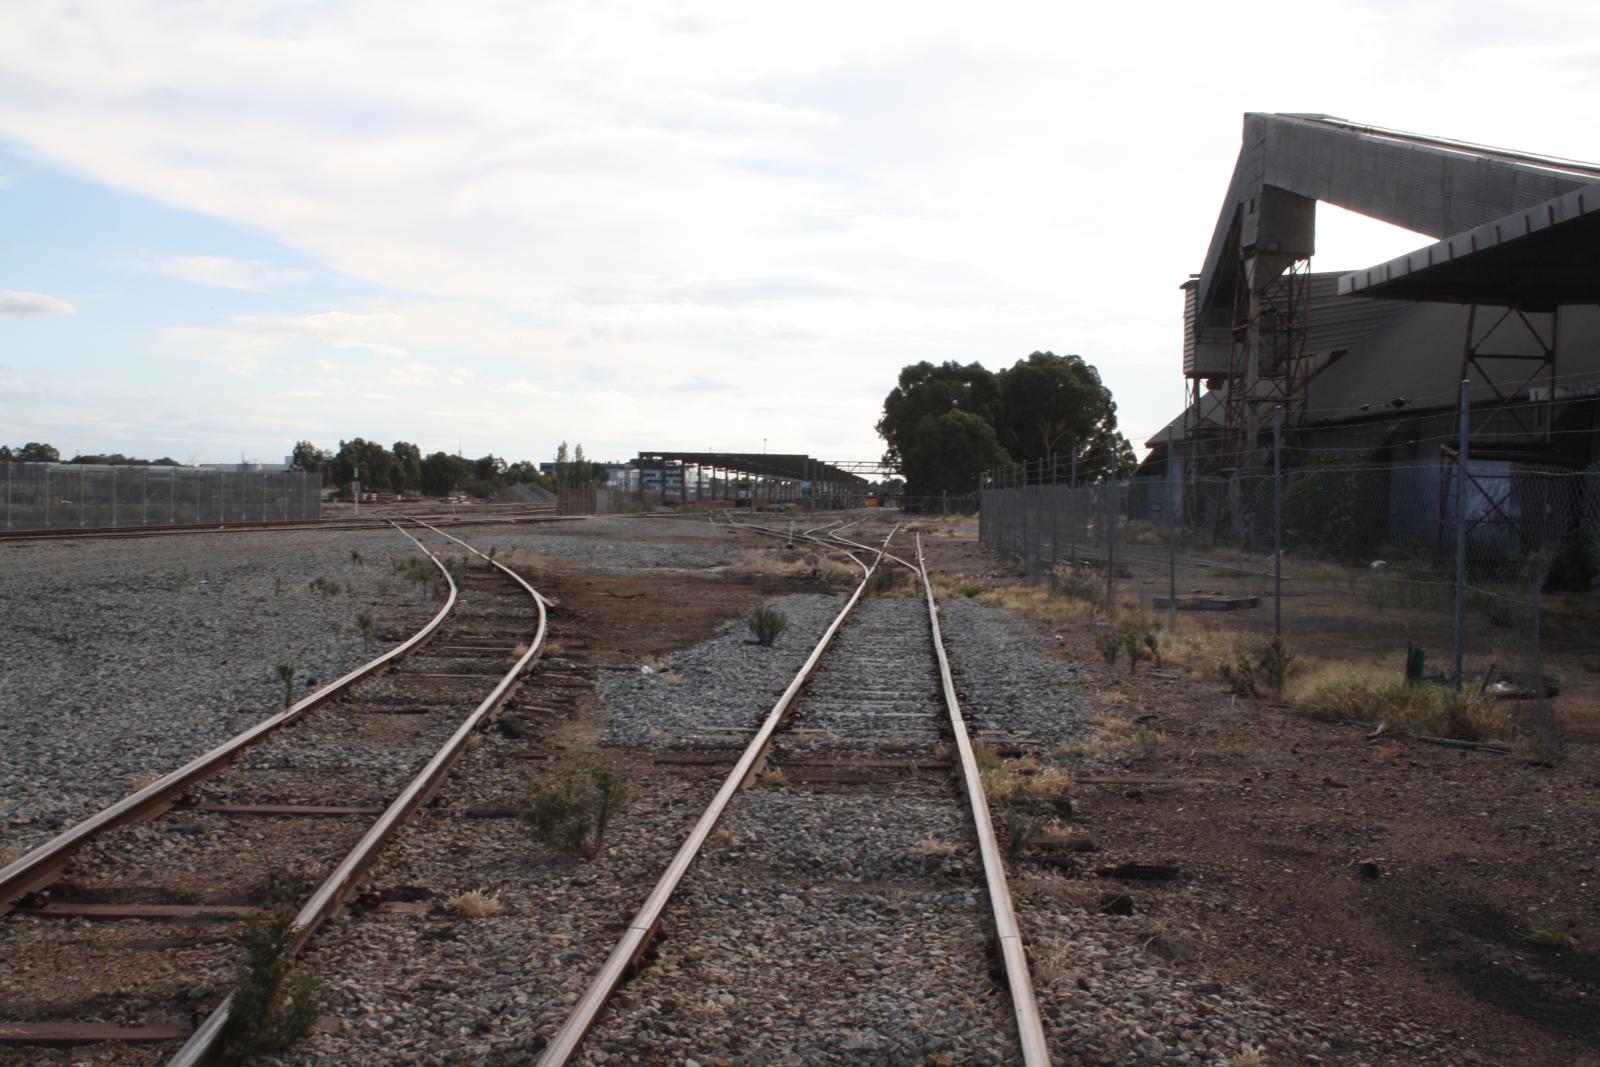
(61, 496)
(1367, 562)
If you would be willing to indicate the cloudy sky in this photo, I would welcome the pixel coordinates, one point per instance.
(225, 226)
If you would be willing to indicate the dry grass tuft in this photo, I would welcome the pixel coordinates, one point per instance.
(473, 741)
(476, 904)
(773, 777)
(1341, 693)
(1005, 781)
(1119, 736)
(1060, 891)
(657, 734)
(725, 838)
(931, 847)
(776, 562)
(671, 678)
(1115, 725)
(1052, 960)
(1250, 1056)
(707, 1009)
(1542, 931)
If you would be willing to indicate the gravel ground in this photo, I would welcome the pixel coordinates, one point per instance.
(121, 659)
(720, 688)
(1006, 677)
(605, 545)
(1112, 989)
(442, 988)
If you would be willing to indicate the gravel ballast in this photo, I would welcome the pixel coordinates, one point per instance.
(122, 659)
(724, 686)
(617, 545)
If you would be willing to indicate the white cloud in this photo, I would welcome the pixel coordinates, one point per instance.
(247, 275)
(375, 347)
(603, 200)
(17, 305)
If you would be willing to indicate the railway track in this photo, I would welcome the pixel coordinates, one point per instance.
(789, 944)
(102, 943)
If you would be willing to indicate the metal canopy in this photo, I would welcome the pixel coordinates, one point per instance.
(1536, 259)
(795, 467)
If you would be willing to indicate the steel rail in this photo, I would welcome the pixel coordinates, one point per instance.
(1030, 1031)
(636, 938)
(831, 539)
(326, 900)
(811, 535)
(41, 866)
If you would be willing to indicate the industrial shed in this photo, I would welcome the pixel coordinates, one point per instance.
(1367, 366)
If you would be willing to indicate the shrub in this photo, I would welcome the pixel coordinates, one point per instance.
(571, 814)
(1262, 670)
(415, 569)
(368, 628)
(767, 623)
(1109, 642)
(1138, 642)
(882, 582)
(324, 585)
(1091, 595)
(1020, 829)
(286, 676)
(274, 1002)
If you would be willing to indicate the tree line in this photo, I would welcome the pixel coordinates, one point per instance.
(39, 452)
(947, 424)
(402, 468)
(399, 468)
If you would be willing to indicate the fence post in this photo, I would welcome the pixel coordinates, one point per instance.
(113, 496)
(1461, 532)
(47, 496)
(1172, 542)
(83, 495)
(1111, 541)
(982, 524)
(1277, 523)
(9, 465)
(1055, 517)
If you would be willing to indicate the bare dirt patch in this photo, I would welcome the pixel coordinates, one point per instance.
(1446, 901)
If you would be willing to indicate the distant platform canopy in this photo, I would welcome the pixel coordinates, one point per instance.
(794, 467)
(1537, 259)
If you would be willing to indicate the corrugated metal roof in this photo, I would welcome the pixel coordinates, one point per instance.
(1539, 257)
(1427, 184)
(1338, 322)
(1416, 356)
